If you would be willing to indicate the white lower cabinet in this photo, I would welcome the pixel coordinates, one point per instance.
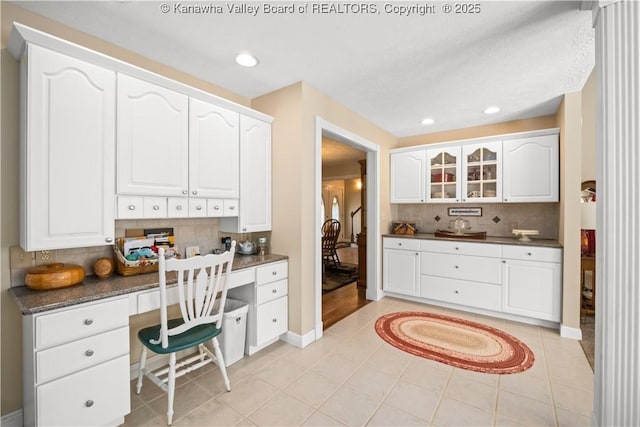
(76, 365)
(401, 266)
(532, 287)
(514, 281)
(268, 316)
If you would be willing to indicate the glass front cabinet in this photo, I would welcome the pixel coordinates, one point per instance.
(444, 175)
(482, 172)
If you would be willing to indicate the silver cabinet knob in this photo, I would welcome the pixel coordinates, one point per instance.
(274, 320)
(198, 208)
(244, 228)
(88, 353)
(217, 208)
(179, 207)
(88, 321)
(457, 267)
(185, 192)
(529, 253)
(88, 403)
(232, 208)
(194, 192)
(156, 207)
(399, 244)
(456, 292)
(132, 207)
(109, 239)
(274, 273)
(274, 291)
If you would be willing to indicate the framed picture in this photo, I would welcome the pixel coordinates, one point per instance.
(465, 211)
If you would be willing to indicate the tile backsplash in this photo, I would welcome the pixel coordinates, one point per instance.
(498, 219)
(202, 232)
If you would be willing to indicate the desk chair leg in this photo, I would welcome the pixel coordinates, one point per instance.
(171, 387)
(220, 362)
(141, 366)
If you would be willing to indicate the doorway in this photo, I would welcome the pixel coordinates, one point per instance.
(342, 194)
(368, 168)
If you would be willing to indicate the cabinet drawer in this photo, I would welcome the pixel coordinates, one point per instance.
(178, 207)
(532, 253)
(231, 207)
(472, 294)
(478, 269)
(155, 207)
(77, 355)
(215, 207)
(93, 397)
(149, 301)
(397, 243)
(130, 207)
(271, 291)
(197, 208)
(80, 322)
(271, 272)
(271, 320)
(462, 248)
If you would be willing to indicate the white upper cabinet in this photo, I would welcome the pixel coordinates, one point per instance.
(407, 176)
(255, 178)
(444, 177)
(153, 139)
(214, 151)
(482, 172)
(67, 152)
(531, 169)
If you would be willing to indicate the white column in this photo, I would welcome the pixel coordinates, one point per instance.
(617, 356)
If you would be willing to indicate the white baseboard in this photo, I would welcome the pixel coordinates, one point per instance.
(572, 333)
(300, 341)
(13, 419)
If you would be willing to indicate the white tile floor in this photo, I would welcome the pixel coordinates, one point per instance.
(352, 377)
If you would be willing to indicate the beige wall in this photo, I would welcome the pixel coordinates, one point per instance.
(544, 122)
(293, 184)
(569, 119)
(589, 129)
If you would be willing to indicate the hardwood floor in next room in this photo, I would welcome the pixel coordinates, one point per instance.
(340, 303)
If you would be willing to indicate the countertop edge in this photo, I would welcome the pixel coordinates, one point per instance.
(547, 243)
(92, 288)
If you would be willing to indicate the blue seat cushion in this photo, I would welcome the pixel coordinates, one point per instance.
(192, 337)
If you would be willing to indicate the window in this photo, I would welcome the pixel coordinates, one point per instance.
(335, 209)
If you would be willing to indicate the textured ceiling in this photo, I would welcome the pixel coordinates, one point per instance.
(393, 70)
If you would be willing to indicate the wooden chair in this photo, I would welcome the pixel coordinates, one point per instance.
(330, 233)
(202, 292)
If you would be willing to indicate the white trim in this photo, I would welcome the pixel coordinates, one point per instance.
(22, 34)
(516, 135)
(12, 419)
(300, 341)
(572, 333)
(373, 212)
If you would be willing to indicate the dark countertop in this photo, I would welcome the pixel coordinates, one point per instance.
(93, 288)
(549, 243)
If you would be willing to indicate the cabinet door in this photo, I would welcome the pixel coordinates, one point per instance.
(444, 176)
(482, 172)
(531, 169)
(532, 289)
(153, 144)
(255, 175)
(401, 271)
(407, 177)
(214, 151)
(68, 153)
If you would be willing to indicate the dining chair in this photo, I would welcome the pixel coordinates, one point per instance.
(330, 234)
(202, 292)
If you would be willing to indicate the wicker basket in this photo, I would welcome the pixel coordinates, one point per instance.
(132, 268)
(406, 228)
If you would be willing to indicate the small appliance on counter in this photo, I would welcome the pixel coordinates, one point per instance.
(226, 241)
(262, 246)
(246, 248)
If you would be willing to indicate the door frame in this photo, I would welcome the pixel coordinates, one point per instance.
(373, 292)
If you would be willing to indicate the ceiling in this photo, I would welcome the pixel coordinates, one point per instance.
(392, 69)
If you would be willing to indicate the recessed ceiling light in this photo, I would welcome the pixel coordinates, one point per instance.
(427, 121)
(491, 110)
(247, 60)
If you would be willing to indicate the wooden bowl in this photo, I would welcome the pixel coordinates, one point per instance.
(54, 276)
(103, 267)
